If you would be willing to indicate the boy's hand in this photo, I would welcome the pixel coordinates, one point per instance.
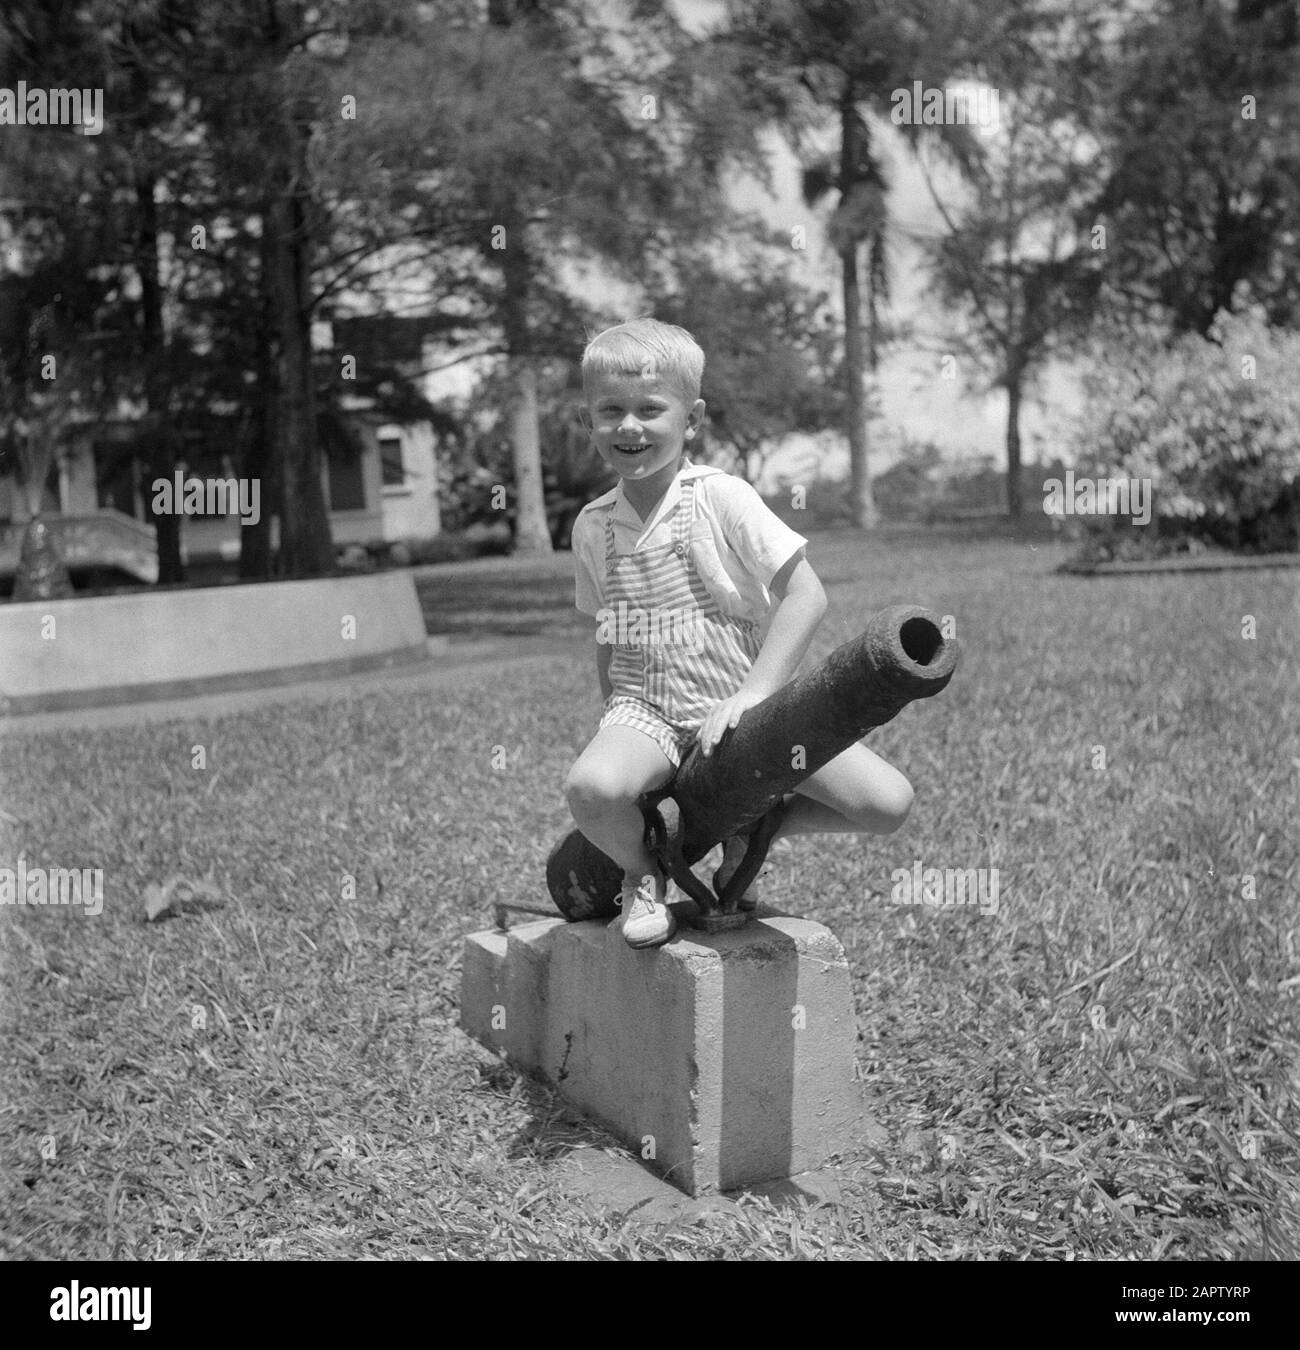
(722, 717)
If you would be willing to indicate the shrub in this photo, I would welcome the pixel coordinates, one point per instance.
(476, 541)
(825, 504)
(1213, 423)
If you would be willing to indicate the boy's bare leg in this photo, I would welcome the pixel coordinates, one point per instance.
(856, 793)
(602, 787)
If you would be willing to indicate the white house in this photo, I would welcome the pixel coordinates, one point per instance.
(380, 482)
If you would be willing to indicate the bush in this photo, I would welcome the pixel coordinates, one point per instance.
(824, 504)
(477, 541)
(909, 489)
(922, 487)
(1214, 424)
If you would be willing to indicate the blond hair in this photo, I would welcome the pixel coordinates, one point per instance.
(649, 348)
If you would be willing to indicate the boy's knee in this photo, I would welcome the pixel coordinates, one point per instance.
(893, 802)
(587, 788)
(577, 786)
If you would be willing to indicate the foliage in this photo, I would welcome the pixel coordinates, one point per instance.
(1213, 423)
(1198, 107)
(769, 350)
(822, 505)
(479, 541)
(536, 142)
(921, 485)
(477, 486)
(1017, 262)
(818, 59)
(910, 486)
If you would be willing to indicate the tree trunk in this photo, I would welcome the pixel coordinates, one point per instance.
(159, 460)
(861, 501)
(257, 464)
(158, 449)
(159, 444)
(1014, 394)
(258, 461)
(532, 533)
(306, 549)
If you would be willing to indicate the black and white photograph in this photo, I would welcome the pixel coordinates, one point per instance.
(650, 630)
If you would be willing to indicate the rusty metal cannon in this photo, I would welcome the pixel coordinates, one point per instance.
(739, 789)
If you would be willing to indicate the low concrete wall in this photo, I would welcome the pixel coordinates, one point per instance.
(722, 1060)
(112, 649)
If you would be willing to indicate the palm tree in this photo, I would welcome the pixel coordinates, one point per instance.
(859, 219)
(807, 59)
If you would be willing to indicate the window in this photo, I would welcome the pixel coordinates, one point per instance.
(115, 477)
(347, 485)
(390, 458)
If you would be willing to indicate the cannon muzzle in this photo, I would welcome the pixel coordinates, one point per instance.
(900, 657)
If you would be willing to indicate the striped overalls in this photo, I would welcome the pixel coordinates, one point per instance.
(688, 655)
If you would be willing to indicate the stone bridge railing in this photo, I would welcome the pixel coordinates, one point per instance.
(107, 538)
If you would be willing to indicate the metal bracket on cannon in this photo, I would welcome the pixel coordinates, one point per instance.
(717, 911)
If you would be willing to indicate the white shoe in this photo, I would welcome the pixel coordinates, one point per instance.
(647, 920)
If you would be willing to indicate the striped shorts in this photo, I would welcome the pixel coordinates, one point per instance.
(673, 738)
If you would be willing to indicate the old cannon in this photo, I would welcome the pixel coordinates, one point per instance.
(739, 789)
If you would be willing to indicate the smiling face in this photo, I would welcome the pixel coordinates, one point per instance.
(639, 425)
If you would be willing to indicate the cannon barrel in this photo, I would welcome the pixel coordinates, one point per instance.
(900, 657)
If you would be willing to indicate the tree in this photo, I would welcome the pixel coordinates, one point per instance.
(259, 83)
(109, 190)
(1017, 262)
(558, 146)
(811, 60)
(479, 460)
(770, 350)
(311, 190)
(145, 50)
(61, 360)
(1199, 114)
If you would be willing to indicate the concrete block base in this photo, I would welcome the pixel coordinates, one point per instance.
(720, 923)
(721, 1059)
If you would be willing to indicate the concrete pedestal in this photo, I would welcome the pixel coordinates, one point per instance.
(721, 1059)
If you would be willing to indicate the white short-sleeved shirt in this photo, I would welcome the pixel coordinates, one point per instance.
(737, 543)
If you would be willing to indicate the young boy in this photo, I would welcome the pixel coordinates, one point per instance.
(705, 604)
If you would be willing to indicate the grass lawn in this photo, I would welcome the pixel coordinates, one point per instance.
(1108, 1067)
